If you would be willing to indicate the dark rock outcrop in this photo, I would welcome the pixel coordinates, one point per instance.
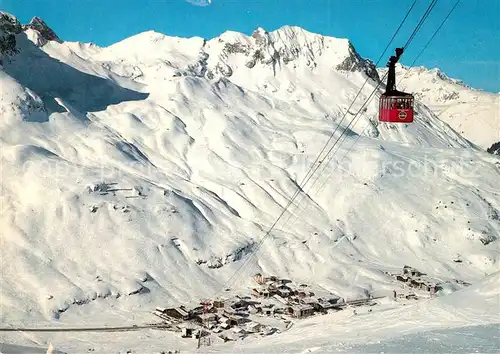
(9, 27)
(9, 24)
(494, 149)
(355, 63)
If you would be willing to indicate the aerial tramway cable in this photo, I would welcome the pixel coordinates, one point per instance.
(359, 136)
(410, 39)
(309, 174)
(306, 179)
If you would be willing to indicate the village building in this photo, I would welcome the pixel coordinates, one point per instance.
(271, 286)
(283, 291)
(324, 306)
(228, 311)
(279, 310)
(178, 312)
(236, 320)
(207, 319)
(254, 327)
(294, 299)
(239, 305)
(264, 293)
(301, 293)
(281, 299)
(219, 304)
(412, 271)
(196, 311)
(281, 282)
(401, 278)
(162, 315)
(413, 283)
(330, 299)
(308, 301)
(299, 311)
(259, 278)
(188, 332)
(271, 278)
(268, 310)
(238, 331)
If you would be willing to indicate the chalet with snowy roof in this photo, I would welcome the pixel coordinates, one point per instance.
(271, 278)
(401, 278)
(264, 293)
(209, 319)
(241, 305)
(318, 305)
(224, 323)
(299, 311)
(219, 304)
(283, 291)
(235, 320)
(281, 299)
(268, 310)
(178, 312)
(271, 286)
(282, 281)
(412, 272)
(253, 327)
(332, 299)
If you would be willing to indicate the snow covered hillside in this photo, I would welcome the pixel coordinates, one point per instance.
(143, 174)
(473, 113)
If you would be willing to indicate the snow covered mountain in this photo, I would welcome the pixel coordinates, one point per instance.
(143, 174)
(473, 113)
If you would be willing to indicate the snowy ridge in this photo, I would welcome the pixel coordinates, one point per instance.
(133, 178)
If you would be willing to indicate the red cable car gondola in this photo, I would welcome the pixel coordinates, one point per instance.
(395, 106)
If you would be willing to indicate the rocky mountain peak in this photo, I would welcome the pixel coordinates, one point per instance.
(293, 44)
(39, 25)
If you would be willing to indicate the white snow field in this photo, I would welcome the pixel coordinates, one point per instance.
(145, 173)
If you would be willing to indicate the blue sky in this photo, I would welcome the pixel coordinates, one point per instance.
(466, 48)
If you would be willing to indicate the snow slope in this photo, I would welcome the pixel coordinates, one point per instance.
(473, 113)
(143, 174)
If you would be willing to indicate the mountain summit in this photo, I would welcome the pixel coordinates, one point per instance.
(38, 25)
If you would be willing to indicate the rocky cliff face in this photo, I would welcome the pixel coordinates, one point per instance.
(9, 24)
(9, 27)
(38, 25)
(291, 45)
(354, 62)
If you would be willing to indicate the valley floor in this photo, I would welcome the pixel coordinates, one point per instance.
(463, 321)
